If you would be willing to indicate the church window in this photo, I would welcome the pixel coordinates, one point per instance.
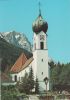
(15, 78)
(42, 60)
(41, 37)
(42, 73)
(41, 45)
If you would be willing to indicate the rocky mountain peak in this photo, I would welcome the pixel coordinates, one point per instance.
(17, 39)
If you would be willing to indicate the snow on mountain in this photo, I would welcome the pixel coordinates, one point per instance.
(5, 33)
(1, 35)
(18, 39)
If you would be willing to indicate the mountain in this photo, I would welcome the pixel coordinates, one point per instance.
(11, 46)
(1, 35)
(17, 39)
(9, 54)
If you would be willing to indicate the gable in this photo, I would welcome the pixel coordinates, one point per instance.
(19, 63)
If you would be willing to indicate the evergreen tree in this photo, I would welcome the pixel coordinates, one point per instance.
(37, 86)
(25, 84)
(59, 74)
(4, 64)
(28, 82)
(31, 79)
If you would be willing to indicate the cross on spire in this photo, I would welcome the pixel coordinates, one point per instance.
(39, 9)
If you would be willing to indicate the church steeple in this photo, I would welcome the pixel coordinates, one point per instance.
(40, 50)
(39, 9)
(40, 24)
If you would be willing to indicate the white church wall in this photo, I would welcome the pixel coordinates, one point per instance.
(41, 40)
(34, 64)
(40, 65)
(13, 75)
(21, 74)
(36, 40)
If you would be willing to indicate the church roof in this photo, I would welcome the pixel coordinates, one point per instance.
(27, 63)
(27, 54)
(39, 25)
(21, 63)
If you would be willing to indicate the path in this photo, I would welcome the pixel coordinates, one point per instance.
(33, 97)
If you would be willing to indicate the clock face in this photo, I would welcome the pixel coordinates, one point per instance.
(42, 37)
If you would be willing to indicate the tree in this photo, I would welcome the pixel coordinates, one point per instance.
(37, 86)
(28, 82)
(65, 75)
(9, 93)
(4, 64)
(31, 79)
(55, 71)
(59, 74)
(25, 86)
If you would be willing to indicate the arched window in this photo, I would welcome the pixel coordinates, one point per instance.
(15, 78)
(42, 73)
(42, 60)
(41, 45)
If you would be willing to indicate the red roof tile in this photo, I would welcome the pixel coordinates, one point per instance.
(19, 63)
(26, 63)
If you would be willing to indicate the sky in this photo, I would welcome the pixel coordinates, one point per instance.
(19, 15)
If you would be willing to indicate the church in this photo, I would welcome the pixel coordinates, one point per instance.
(39, 60)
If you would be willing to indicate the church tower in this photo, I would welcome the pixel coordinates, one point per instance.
(40, 51)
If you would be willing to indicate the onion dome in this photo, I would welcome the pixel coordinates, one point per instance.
(40, 25)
